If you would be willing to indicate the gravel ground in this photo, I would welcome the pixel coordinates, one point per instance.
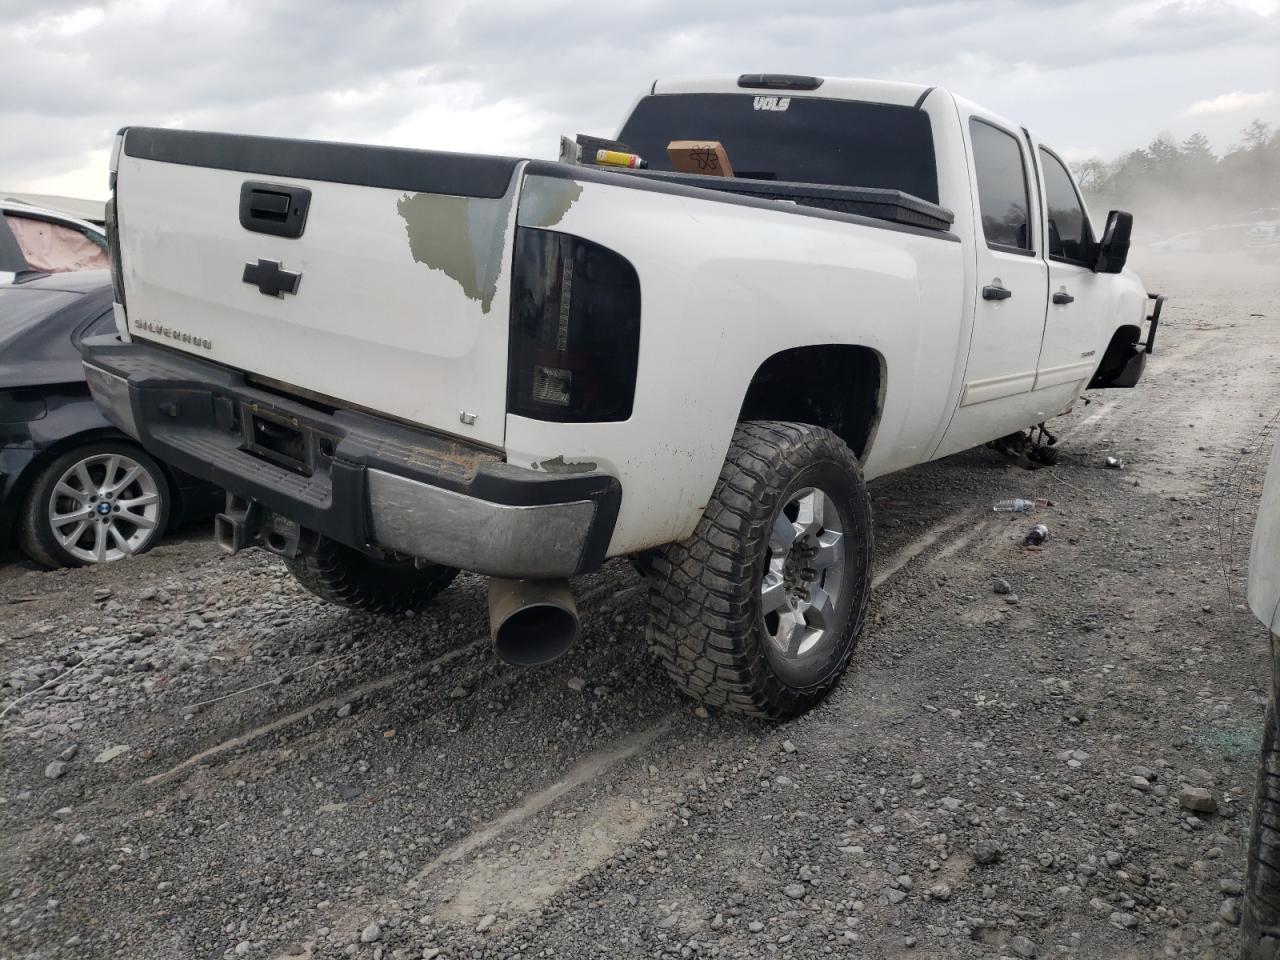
(1036, 752)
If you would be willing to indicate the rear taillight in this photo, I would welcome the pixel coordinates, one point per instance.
(113, 249)
(113, 164)
(575, 330)
(112, 227)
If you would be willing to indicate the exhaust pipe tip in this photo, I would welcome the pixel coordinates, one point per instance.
(532, 622)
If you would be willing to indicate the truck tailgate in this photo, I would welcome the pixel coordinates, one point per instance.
(374, 276)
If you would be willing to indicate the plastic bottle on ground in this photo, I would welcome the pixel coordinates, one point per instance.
(1017, 505)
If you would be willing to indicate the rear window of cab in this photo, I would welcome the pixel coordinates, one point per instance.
(840, 143)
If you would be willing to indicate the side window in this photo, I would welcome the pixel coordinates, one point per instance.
(11, 259)
(55, 247)
(1002, 187)
(1069, 233)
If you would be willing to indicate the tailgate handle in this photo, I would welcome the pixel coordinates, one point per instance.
(274, 208)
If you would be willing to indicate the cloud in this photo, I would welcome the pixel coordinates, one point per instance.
(1232, 102)
(502, 75)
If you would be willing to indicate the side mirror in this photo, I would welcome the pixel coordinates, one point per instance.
(1113, 250)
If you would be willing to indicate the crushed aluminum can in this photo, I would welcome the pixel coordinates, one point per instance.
(1114, 463)
(1036, 535)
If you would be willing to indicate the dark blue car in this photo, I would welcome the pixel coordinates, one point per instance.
(73, 489)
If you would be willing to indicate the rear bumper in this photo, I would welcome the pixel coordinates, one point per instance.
(355, 478)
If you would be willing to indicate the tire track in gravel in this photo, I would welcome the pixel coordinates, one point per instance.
(913, 549)
(328, 703)
(580, 773)
(983, 528)
(585, 771)
(361, 691)
(1087, 427)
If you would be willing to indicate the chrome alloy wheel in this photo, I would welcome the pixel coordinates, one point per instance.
(800, 591)
(104, 507)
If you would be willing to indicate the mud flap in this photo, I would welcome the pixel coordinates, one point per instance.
(1126, 358)
(1126, 374)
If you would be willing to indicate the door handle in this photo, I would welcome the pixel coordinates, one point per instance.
(1062, 297)
(274, 208)
(996, 293)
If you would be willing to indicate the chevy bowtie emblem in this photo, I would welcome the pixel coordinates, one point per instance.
(267, 276)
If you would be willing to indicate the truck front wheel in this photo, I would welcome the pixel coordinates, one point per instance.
(341, 575)
(760, 609)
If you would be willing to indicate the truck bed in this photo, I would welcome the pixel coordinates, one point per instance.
(352, 272)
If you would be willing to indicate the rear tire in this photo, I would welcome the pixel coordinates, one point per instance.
(1261, 923)
(759, 610)
(339, 574)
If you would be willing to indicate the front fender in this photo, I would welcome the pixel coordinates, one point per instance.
(1125, 358)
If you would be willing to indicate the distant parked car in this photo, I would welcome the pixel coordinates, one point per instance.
(38, 240)
(1179, 243)
(1264, 241)
(74, 490)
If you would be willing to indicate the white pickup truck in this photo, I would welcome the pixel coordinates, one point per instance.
(404, 363)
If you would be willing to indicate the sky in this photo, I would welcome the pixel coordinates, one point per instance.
(494, 76)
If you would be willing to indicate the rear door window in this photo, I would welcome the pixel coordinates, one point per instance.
(11, 260)
(1069, 233)
(56, 247)
(839, 143)
(1002, 187)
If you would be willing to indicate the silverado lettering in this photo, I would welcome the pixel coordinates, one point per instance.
(172, 334)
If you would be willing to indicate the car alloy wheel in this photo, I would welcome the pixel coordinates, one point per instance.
(104, 507)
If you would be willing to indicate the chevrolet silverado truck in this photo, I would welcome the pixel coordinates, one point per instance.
(406, 363)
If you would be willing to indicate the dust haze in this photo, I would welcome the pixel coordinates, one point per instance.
(1195, 205)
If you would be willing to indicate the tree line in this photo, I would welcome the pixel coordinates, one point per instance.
(1171, 186)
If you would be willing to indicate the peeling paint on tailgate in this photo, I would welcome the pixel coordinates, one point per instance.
(462, 237)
